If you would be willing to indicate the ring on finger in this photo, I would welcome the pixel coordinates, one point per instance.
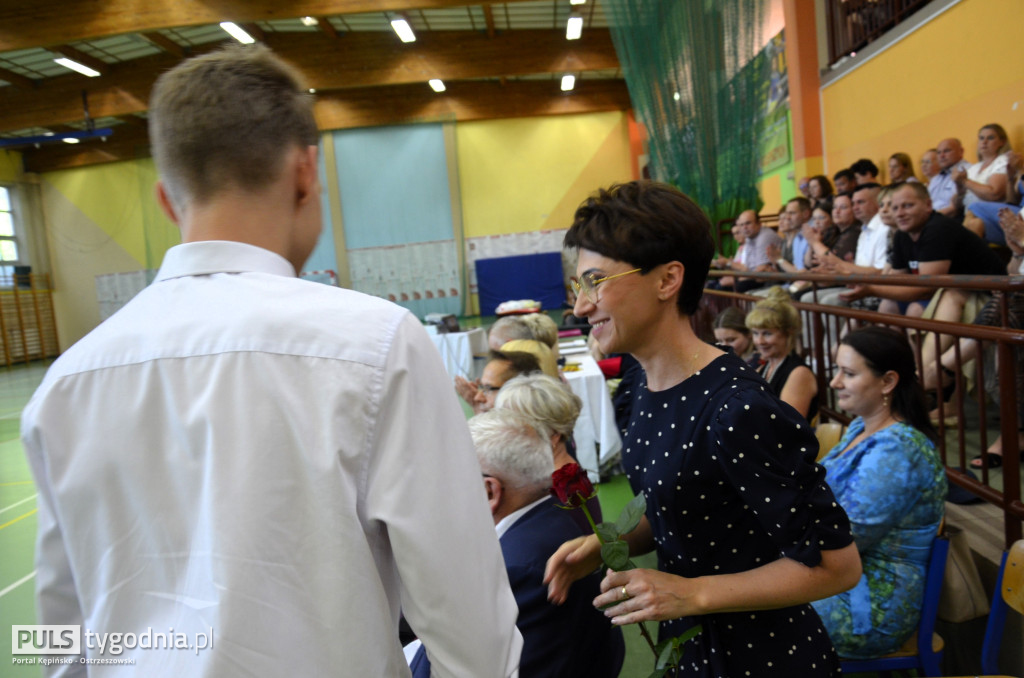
(625, 595)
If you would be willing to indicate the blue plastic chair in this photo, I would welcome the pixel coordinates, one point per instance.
(1008, 593)
(923, 650)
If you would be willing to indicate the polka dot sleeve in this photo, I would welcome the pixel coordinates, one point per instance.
(766, 450)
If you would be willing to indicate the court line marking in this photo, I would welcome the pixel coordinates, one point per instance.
(17, 583)
(20, 482)
(19, 503)
(21, 517)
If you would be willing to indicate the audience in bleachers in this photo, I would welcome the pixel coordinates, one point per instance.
(901, 168)
(986, 179)
(820, 189)
(942, 188)
(865, 171)
(982, 216)
(731, 330)
(845, 180)
(775, 326)
(886, 473)
(929, 165)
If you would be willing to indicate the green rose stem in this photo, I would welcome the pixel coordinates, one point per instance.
(593, 526)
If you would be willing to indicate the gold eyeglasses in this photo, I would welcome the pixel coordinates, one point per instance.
(587, 283)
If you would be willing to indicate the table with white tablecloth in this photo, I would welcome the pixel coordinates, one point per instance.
(463, 353)
(597, 436)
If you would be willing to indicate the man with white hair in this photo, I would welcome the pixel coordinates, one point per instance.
(574, 640)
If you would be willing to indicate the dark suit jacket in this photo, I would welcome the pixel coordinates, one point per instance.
(559, 641)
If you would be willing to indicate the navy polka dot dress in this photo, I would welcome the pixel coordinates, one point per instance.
(731, 484)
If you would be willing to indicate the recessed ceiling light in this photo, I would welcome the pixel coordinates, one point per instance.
(308, 21)
(568, 82)
(70, 140)
(677, 96)
(577, 2)
(403, 29)
(574, 27)
(75, 66)
(237, 33)
(312, 90)
(436, 85)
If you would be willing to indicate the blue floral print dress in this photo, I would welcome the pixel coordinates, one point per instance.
(893, 487)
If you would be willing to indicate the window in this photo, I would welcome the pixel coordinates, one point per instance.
(9, 250)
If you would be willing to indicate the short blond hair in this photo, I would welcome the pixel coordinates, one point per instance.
(225, 120)
(776, 312)
(545, 401)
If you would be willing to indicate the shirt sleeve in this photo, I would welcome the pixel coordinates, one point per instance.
(767, 451)
(56, 596)
(425, 491)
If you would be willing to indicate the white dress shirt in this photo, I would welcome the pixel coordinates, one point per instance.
(278, 461)
(872, 244)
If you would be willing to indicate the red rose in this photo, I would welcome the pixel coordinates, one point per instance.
(571, 486)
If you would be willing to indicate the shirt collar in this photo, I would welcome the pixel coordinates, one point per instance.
(220, 256)
(508, 521)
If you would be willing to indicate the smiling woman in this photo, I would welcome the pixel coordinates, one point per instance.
(704, 436)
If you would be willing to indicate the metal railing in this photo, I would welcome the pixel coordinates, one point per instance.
(853, 24)
(824, 325)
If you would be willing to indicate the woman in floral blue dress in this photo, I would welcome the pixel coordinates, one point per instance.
(887, 474)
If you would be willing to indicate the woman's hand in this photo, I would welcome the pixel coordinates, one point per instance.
(572, 561)
(959, 176)
(650, 595)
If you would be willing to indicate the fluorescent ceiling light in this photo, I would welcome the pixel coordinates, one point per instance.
(577, 2)
(404, 30)
(574, 28)
(237, 33)
(677, 96)
(568, 82)
(436, 85)
(308, 21)
(75, 66)
(69, 140)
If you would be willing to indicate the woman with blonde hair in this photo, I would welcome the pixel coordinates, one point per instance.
(901, 168)
(775, 325)
(539, 350)
(549, 405)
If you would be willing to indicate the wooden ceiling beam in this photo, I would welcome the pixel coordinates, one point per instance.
(327, 27)
(42, 23)
(361, 59)
(166, 44)
(373, 106)
(16, 79)
(102, 67)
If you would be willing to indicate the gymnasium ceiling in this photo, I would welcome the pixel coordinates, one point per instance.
(497, 60)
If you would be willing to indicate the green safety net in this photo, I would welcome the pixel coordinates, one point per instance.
(696, 85)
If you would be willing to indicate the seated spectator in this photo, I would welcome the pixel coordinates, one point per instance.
(870, 255)
(545, 356)
(775, 325)
(755, 250)
(942, 188)
(571, 640)
(728, 282)
(845, 181)
(886, 473)
(550, 406)
(536, 326)
(991, 315)
(820, 189)
(982, 217)
(791, 255)
(930, 165)
(930, 244)
(901, 168)
(501, 367)
(731, 330)
(865, 171)
(986, 179)
(841, 238)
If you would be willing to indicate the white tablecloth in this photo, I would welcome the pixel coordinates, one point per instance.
(463, 353)
(595, 429)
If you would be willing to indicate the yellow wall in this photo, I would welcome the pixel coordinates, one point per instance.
(100, 220)
(529, 174)
(956, 73)
(10, 166)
